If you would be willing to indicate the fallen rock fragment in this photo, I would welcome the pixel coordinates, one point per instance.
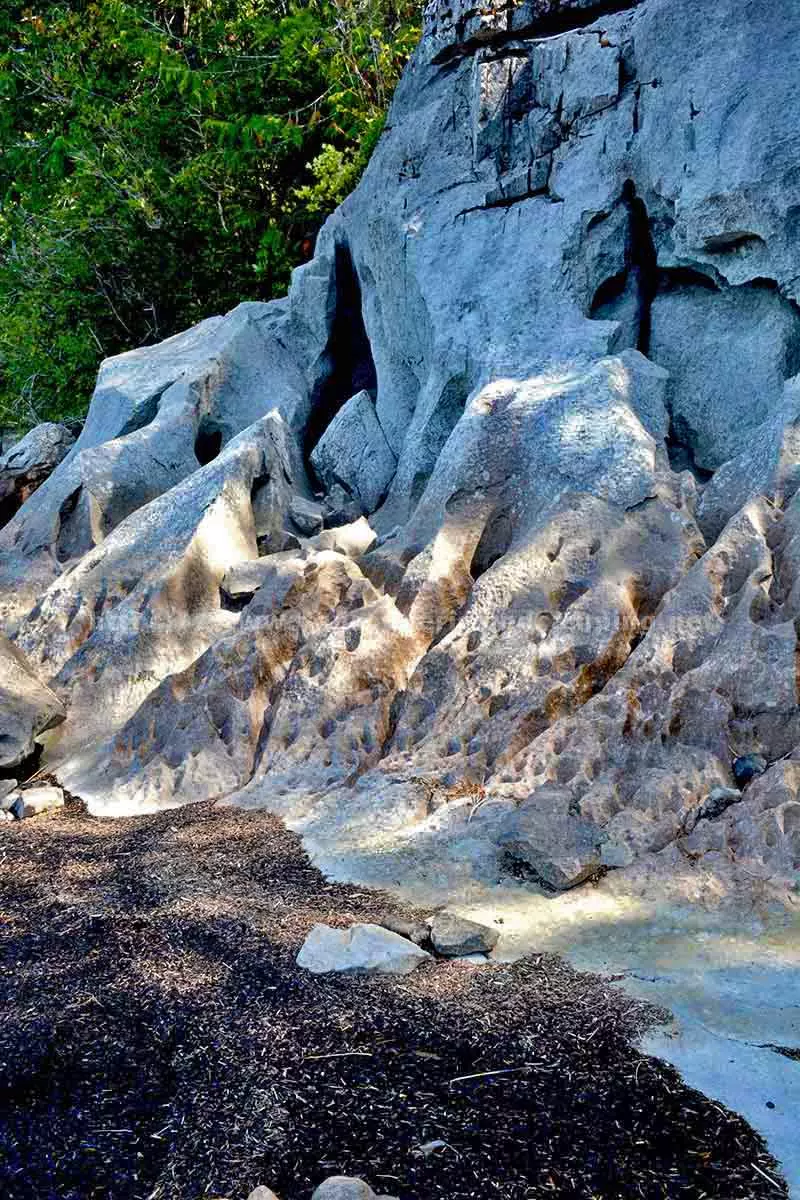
(246, 578)
(341, 1187)
(11, 805)
(716, 802)
(456, 937)
(262, 1193)
(354, 537)
(559, 850)
(38, 800)
(416, 931)
(7, 787)
(354, 452)
(429, 1148)
(306, 516)
(361, 949)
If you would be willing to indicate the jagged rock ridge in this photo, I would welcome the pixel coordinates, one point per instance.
(549, 347)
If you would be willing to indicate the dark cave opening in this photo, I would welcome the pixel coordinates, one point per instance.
(494, 542)
(9, 506)
(639, 279)
(349, 366)
(208, 442)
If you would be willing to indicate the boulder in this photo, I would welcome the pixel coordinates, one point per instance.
(354, 452)
(416, 931)
(38, 800)
(27, 707)
(747, 766)
(8, 789)
(559, 849)
(244, 580)
(353, 538)
(718, 801)
(14, 808)
(361, 949)
(726, 353)
(456, 937)
(262, 1193)
(26, 463)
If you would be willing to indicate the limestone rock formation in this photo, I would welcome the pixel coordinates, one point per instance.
(353, 451)
(541, 382)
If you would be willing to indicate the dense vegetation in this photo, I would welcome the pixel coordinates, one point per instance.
(159, 163)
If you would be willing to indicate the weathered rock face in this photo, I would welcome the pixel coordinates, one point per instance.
(550, 348)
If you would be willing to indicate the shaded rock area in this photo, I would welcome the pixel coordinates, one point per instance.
(354, 453)
(476, 557)
(151, 1001)
(27, 707)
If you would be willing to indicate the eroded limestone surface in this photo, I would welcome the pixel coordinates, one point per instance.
(478, 555)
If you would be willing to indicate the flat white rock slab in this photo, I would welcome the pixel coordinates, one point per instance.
(363, 949)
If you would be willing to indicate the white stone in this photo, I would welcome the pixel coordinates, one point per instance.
(38, 800)
(361, 949)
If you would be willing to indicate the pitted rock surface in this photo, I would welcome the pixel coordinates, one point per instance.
(540, 382)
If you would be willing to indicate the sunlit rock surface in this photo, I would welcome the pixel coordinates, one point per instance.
(549, 348)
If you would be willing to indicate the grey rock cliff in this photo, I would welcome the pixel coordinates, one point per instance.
(550, 347)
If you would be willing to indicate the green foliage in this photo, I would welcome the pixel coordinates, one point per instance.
(159, 163)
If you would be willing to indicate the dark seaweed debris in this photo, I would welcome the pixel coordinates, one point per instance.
(158, 1042)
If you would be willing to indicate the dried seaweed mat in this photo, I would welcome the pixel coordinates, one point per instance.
(158, 1042)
